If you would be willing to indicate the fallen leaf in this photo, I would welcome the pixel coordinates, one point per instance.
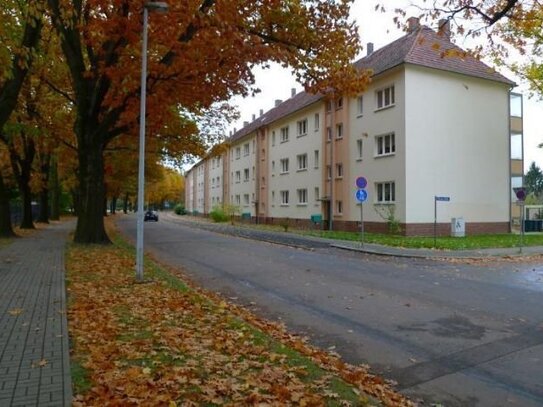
(15, 311)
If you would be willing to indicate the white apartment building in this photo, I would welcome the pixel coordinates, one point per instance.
(433, 122)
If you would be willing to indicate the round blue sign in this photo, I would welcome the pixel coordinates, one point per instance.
(361, 195)
(361, 182)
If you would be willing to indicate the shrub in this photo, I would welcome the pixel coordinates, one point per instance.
(179, 209)
(218, 215)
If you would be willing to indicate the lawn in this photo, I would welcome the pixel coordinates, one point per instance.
(165, 342)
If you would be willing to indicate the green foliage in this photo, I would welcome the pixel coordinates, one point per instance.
(388, 213)
(534, 181)
(285, 223)
(179, 209)
(232, 211)
(218, 214)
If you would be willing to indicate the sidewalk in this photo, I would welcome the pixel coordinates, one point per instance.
(34, 349)
(438, 254)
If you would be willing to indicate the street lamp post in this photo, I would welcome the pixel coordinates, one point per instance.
(159, 7)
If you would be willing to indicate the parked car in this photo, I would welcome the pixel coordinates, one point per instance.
(151, 215)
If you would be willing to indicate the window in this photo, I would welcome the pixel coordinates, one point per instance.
(339, 207)
(246, 199)
(339, 130)
(302, 162)
(339, 170)
(238, 200)
(254, 146)
(386, 192)
(246, 175)
(273, 197)
(359, 149)
(328, 133)
(238, 153)
(328, 172)
(317, 194)
(329, 106)
(284, 197)
(284, 134)
(273, 167)
(254, 172)
(516, 182)
(317, 122)
(238, 176)
(273, 138)
(385, 97)
(246, 149)
(385, 144)
(302, 127)
(218, 181)
(360, 106)
(263, 182)
(302, 196)
(516, 146)
(284, 165)
(316, 158)
(516, 105)
(339, 104)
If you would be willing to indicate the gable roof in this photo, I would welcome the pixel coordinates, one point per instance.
(425, 47)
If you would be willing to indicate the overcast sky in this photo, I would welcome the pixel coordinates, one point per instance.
(378, 28)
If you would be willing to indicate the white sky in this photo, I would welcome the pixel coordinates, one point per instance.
(376, 27)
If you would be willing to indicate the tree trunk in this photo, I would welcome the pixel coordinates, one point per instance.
(113, 205)
(6, 229)
(90, 209)
(125, 204)
(26, 197)
(54, 188)
(22, 169)
(43, 216)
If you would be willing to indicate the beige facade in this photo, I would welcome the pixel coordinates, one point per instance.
(420, 130)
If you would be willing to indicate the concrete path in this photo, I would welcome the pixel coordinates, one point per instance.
(34, 349)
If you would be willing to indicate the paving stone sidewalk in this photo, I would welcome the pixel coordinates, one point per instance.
(34, 347)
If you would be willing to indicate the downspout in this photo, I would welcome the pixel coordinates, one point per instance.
(332, 160)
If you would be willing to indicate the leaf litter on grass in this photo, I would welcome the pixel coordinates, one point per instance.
(163, 344)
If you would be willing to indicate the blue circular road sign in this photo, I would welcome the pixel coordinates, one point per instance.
(361, 182)
(361, 195)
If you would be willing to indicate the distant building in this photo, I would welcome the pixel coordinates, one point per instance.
(433, 122)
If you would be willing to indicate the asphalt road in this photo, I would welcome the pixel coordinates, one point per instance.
(447, 333)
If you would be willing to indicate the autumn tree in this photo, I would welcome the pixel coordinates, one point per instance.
(201, 52)
(533, 179)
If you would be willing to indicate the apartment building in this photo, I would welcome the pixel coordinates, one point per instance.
(433, 122)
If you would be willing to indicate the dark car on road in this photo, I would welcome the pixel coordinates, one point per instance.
(151, 215)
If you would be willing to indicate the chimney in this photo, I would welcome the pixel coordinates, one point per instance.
(292, 92)
(444, 28)
(234, 130)
(369, 48)
(413, 24)
(278, 102)
(254, 117)
(261, 112)
(245, 124)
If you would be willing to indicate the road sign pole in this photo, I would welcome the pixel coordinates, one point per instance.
(361, 224)
(435, 221)
(521, 226)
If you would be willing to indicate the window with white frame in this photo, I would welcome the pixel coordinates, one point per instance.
(273, 138)
(339, 207)
(386, 192)
(218, 181)
(328, 172)
(273, 197)
(359, 105)
(238, 176)
(246, 149)
(359, 149)
(238, 153)
(385, 97)
(317, 122)
(385, 144)
(302, 127)
(284, 165)
(246, 175)
(328, 133)
(238, 199)
(284, 134)
(254, 172)
(273, 167)
(316, 158)
(246, 199)
(339, 104)
(339, 170)
(254, 146)
(339, 130)
(302, 196)
(302, 162)
(284, 197)
(317, 194)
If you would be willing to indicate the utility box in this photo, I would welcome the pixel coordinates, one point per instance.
(458, 227)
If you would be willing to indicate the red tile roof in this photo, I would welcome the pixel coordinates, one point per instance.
(423, 47)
